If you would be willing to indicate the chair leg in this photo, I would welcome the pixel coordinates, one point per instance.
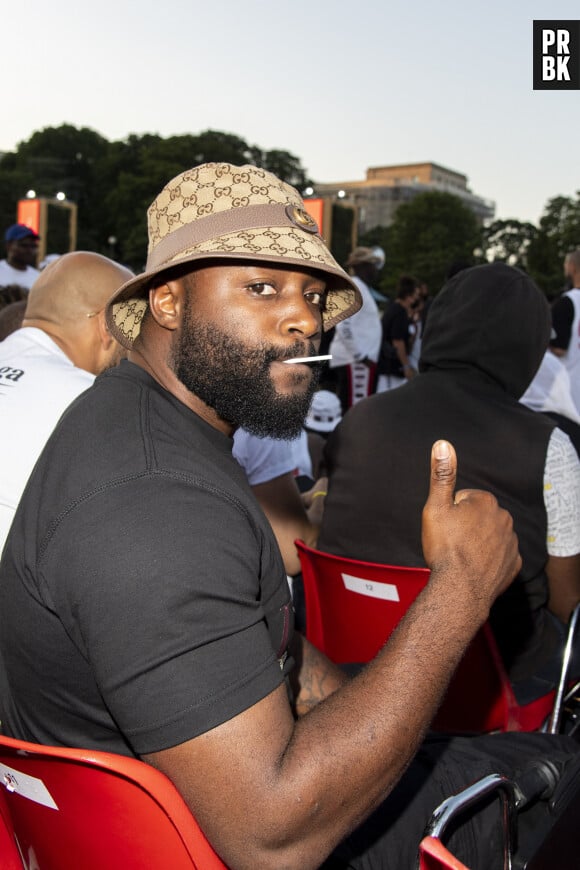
(556, 717)
(457, 804)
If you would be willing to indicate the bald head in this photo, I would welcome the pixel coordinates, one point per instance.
(73, 286)
(67, 300)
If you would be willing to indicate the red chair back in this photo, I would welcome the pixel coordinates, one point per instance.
(353, 606)
(73, 808)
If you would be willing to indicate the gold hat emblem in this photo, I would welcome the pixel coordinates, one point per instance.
(301, 218)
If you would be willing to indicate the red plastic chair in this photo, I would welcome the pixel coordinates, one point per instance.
(73, 808)
(9, 854)
(352, 607)
(434, 855)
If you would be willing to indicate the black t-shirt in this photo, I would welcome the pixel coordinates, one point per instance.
(562, 320)
(395, 327)
(143, 598)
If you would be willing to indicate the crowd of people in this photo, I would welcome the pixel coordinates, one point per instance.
(168, 435)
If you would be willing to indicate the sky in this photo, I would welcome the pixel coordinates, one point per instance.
(341, 85)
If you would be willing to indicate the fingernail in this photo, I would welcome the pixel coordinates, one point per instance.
(441, 450)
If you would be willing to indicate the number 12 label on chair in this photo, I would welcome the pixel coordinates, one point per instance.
(386, 591)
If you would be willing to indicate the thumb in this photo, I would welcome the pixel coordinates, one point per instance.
(443, 474)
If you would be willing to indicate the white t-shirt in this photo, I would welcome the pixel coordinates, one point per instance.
(358, 336)
(37, 382)
(571, 358)
(562, 496)
(550, 390)
(24, 277)
(263, 459)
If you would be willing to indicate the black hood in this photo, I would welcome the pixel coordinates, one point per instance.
(491, 318)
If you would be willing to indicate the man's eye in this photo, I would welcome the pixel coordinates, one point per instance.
(262, 288)
(316, 297)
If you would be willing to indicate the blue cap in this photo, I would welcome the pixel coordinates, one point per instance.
(19, 231)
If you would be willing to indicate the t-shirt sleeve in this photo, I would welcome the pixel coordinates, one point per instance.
(562, 319)
(262, 459)
(562, 496)
(162, 595)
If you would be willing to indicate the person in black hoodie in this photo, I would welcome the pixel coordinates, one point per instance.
(485, 337)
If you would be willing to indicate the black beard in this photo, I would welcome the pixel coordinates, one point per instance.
(234, 379)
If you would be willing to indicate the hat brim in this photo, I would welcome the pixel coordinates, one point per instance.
(283, 245)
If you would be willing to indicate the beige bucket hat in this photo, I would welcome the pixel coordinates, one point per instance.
(220, 211)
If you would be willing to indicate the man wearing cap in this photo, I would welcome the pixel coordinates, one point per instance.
(357, 339)
(19, 267)
(146, 586)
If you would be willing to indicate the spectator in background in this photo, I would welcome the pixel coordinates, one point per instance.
(12, 293)
(566, 323)
(479, 355)
(63, 343)
(19, 267)
(357, 340)
(11, 318)
(550, 393)
(398, 332)
(324, 415)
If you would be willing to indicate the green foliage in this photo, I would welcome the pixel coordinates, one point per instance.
(558, 233)
(427, 235)
(508, 241)
(113, 183)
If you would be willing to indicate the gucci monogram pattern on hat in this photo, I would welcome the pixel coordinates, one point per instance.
(217, 210)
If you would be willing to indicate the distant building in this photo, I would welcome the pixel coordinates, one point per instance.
(378, 197)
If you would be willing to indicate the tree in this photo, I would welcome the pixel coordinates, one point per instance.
(113, 183)
(427, 235)
(55, 159)
(508, 241)
(559, 233)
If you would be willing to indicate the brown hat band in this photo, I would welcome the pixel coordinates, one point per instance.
(212, 226)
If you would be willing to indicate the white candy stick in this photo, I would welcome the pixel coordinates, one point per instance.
(305, 359)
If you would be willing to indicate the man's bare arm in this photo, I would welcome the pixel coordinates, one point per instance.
(564, 584)
(280, 500)
(273, 791)
(401, 350)
(315, 677)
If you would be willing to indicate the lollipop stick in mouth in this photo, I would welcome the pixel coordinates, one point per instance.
(306, 359)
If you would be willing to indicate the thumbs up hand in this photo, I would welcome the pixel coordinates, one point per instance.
(466, 535)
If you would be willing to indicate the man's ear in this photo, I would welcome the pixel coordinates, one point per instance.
(166, 304)
(105, 336)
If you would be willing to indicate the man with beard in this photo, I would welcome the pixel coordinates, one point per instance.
(144, 607)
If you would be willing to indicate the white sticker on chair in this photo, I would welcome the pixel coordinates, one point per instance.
(27, 786)
(386, 591)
